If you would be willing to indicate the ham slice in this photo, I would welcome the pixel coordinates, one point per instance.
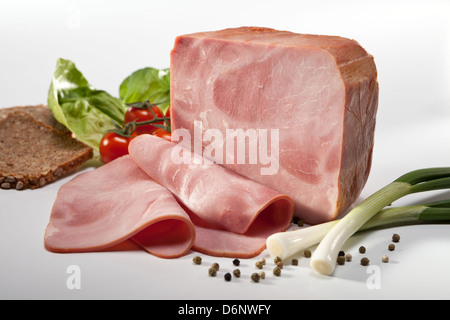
(105, 207)
(320, 94)
(233, 215)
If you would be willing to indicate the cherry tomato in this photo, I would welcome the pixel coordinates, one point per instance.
(139, 115)
(113, 146)
(162, 134)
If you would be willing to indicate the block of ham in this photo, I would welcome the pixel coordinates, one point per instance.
(233, 216)
(319, 92)
(112, 204)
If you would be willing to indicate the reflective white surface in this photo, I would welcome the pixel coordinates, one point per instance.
(410, 41)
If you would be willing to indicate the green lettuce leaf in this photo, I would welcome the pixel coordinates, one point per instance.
(147, 84)
(85, 111)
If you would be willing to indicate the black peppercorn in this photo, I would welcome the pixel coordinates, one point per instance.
(307, 253)
(365, 262)
(395, 238)
(236, 262)
(227, 276)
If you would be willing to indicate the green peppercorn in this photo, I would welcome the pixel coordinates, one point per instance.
(237, 273)
(365, 261)
(236, 262)
(215, 266)
(227, 276)
(280, 264)
(341, 260)
(391, 247)
(212, 272)
(263, 261)
(255, 277)
(395, 238)
(300, 223)
(294, 262)
(277, 271)
(362, 249)
(197, 260)
(276, 260)
(259, 264)
(307, 253)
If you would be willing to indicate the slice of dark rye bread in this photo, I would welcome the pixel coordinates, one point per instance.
(33, 154)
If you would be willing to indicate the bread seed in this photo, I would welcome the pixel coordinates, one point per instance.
(5, 185)
(10, 179)
(19, 185)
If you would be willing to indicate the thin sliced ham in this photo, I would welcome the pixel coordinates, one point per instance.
(232, 214)
(103, 208)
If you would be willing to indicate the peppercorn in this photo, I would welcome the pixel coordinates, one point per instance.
(341, 253)
(262, 274)
(227, 276)
(300, 223)
(277, 259)
(237, 273)
(263, 261)
(341, 260)
(197, 260)
(391, 247)
(236, 262)
(212, 272)
(365, 261)
(348, 257)
(385, 259)
(362, 249)
(294, 262)
(307, 253)
(395, 238)
(215, 266)
(277, 271)
(259, 264)
(295, 220)
(255, 277)
(280, 264)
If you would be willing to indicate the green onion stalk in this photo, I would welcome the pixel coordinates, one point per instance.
(290, 243)
(324, 259)
(331, 236)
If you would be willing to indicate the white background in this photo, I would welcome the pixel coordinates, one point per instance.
(108, 40)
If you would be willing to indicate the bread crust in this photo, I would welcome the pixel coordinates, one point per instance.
(34, 154)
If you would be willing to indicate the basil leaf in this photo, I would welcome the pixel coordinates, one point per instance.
(85, 111)
(147, 84)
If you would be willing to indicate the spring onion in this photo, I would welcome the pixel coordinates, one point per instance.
(287, 244)
(324, 257)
